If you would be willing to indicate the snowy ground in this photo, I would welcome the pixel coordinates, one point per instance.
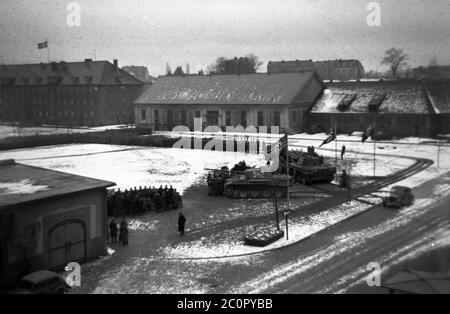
(185, 169)
(153, 236)
(130, 166)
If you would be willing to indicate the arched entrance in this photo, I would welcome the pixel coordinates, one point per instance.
(67, 243)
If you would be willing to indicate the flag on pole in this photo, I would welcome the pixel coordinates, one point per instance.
(367, 133)
(331, 137)
(43, 45)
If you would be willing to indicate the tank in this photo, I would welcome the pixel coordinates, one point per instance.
(253, 183)
(216, 180)
(309, 167)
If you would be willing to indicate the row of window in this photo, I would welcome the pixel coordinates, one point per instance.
(66, 113)
(212, 117)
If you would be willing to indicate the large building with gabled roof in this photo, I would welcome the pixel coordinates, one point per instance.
(259, 99)
(397, 108)
(68, 93)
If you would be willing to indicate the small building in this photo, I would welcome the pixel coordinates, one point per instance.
(48, 219)
(398, 108)
(68, 93)
(259, 99)
(328, 70)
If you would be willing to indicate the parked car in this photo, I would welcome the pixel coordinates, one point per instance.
(42, 282)
(399, 196)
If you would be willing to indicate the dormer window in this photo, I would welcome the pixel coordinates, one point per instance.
(8, 80)
(376, 101)
(345, 103)
(74, 79)
(54, 80)
(88, 79)
(118, 79)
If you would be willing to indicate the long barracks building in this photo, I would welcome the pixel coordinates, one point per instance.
(296, 102)
(68, 93)
(260, 99)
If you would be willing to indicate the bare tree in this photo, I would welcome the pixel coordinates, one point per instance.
(395, 59)
(255, 63)
(248, 64)
(168, 69)
(178, 71)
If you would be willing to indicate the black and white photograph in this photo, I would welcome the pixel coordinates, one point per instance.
(224, 152)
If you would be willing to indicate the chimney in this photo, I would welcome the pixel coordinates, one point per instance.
(116, 63)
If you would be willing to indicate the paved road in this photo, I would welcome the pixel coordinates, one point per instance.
(337, 259)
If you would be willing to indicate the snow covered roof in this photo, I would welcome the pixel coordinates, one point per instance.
(23, 184)
(258, 88)
(382, 96)
(65, 73)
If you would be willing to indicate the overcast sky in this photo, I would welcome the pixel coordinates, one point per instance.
(154, 32)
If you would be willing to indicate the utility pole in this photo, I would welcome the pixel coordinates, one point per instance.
(438, 153)
(286, 213)
(277, 218)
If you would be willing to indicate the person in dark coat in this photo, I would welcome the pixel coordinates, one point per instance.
(342, 151)
(344, 179)
(181, 223)
(124, 232)
(113, 231)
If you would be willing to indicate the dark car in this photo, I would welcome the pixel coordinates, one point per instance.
(399, 196)
(42, 282)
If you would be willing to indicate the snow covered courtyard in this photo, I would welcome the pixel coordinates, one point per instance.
(216, 225)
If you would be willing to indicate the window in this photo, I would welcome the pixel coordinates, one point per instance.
(169, 117)
(228, 118)
(244, 119)
(276, 118)
(260, 118)
(143, 114)
(156, 116)
(197, 114)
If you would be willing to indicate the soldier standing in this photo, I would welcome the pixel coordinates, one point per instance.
(342, 151)
(113, 231)
(124, 232)
(181, 223)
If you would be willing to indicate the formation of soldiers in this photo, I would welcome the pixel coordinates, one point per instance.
(135, 201)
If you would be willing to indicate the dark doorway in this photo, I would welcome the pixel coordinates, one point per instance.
(212, 118)
(244, 119)
(67, 243)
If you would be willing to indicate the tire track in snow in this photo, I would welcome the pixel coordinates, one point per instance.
(420, 208)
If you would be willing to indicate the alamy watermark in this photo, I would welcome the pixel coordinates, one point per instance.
(74, 16)
(230, 138)
(73, 279)
(373, 279)
(374, 16)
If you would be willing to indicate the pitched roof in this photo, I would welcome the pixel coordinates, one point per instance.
(389, 96)
(65, 73)
(20, 183)
(258, 88)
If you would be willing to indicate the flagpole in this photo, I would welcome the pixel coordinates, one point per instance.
(288, 200)
(374, 147)
(335, 144)
(48, 53)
